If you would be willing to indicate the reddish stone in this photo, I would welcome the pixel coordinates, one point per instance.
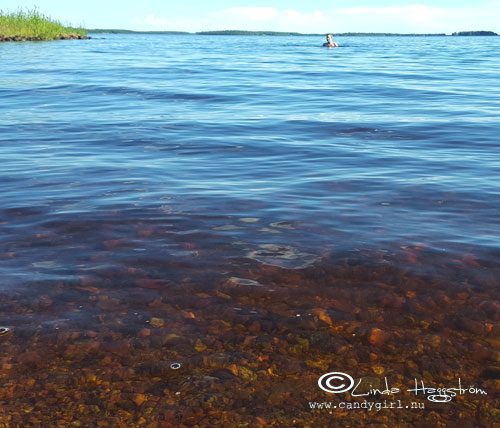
(119, 347)
(152, 284)
(378, 337)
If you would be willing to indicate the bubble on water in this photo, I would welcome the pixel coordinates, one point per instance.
(269, 230)
(227, 227)
(249, 220)
(167, 209)
(282, 225)
(45, 265)
(175, 366)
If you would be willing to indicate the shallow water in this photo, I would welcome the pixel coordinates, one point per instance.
(231, 191)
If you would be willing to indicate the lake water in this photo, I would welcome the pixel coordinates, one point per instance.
(248, 207)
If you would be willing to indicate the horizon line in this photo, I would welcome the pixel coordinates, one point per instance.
(263, 32)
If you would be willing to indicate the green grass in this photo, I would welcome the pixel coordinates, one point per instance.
(30, 24)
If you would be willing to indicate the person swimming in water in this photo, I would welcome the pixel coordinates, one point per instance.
(330, 43)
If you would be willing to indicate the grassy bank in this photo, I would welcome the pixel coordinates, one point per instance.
(33, 25)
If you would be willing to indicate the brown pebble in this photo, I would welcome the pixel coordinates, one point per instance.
(378, 337)
(255, 327)
(152, 284)
(120, 347)
(200, 346)
(323, 316)
(471, 326)
(139, 399)
(260, 421)
(157, 322)
(188, 315)
(145, 332)
(29, 357)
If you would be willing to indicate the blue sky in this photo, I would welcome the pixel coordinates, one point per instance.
(300, 15)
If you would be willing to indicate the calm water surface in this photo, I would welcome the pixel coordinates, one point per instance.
(148, 168)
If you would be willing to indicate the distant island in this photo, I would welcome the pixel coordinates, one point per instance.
(391, 34)
(281, 33)
(120, 31)
(252, 33)
(475, 33)
(203, 33)
(31, 25)
(289, 33)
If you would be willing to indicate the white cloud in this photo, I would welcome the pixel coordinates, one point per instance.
(419, 18)
(241, 18)
(412, 12)
(248, 13)
(152, 20)
(406, 18)
(409, 18)
(266, 18)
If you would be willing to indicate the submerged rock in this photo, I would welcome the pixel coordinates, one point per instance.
(283, 256)
(71, 36)
(244, 281)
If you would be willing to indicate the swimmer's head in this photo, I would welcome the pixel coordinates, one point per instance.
(329, 38)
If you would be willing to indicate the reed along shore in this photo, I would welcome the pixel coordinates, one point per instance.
(31, 25)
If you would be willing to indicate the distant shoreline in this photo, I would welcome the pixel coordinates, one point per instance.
(282, 33)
